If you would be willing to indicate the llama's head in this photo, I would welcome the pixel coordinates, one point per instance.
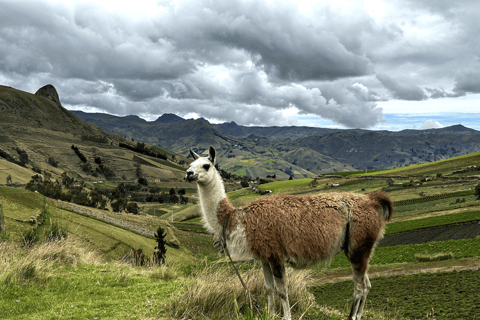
(202, 170)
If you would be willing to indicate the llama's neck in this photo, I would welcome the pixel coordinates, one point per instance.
(211, 194)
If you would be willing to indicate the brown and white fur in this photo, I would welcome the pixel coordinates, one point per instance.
(302, 231)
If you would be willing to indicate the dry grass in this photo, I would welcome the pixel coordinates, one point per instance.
(434, 257)
(26, 264)
(216, 293)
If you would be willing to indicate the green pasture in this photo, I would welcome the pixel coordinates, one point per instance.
(107, 291)
(402, 226)
(464, 248)
(437, 205)
(286, 185)
(441, 166)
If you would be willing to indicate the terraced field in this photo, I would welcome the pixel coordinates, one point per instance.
(465, 230)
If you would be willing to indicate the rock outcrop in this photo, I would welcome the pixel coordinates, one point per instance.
(49, 92)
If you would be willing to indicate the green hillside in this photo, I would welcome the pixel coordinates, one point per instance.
(39, 135)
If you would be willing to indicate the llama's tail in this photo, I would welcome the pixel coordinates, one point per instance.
(381, 198)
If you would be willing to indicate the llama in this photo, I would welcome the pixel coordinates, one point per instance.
(301, 231)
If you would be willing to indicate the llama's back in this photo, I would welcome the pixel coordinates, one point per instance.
(306, 229)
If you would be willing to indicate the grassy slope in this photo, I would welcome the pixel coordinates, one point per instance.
(112, 241)
(442, 166)
(19, 174)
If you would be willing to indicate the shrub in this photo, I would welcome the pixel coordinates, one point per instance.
(132, 207)
(51, 161)
(79, 154)
(23, 157)
(29, 238)
(119, 205)
(55, 232)
(143, 181)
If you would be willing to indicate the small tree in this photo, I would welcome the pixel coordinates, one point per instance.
(390, 182)
(119, 205)
(477, 191)
(143, 181)
(159, 255)
(132, 207)
(9, 180)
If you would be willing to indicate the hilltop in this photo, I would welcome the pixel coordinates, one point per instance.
(38, 134)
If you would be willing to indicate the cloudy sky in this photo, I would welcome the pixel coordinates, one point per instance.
(374, 64)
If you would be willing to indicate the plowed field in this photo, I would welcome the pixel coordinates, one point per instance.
(467, 230)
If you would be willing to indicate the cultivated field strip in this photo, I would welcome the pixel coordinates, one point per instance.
(94, 214)
(434, 197)
(465, 230)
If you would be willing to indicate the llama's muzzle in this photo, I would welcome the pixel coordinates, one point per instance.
(191, 175)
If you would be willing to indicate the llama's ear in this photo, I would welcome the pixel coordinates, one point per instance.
(194, 155)
(211, 155)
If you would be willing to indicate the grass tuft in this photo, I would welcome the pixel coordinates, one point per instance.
(22, 264)
(216, 293)
(434, 257)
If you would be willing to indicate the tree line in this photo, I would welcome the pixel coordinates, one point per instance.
(123, 197)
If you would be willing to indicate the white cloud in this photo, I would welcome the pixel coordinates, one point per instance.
(431, 124)
(344, 61)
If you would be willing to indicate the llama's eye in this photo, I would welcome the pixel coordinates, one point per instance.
(206, 167)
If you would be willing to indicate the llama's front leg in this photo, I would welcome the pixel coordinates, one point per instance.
(281, 282)
(270, 285)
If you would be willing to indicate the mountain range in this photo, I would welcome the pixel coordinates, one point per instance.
(293, 151)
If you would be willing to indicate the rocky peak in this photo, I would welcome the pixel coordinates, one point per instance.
(49, 92)
(169, 118)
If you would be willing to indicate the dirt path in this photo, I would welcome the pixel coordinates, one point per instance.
(407, 270)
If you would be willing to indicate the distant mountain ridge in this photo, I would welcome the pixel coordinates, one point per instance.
(322, 150)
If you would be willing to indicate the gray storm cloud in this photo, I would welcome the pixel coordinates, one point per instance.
(400, 90)
(243, 61)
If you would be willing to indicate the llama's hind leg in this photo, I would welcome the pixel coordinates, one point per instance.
(280, 277)
(361, 288)
(270, 285)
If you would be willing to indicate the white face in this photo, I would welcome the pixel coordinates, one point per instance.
(202, 170)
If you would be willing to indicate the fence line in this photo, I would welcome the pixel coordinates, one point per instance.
(92, 213)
